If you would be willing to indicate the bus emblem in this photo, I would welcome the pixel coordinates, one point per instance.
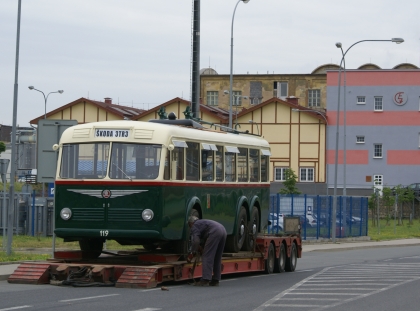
(106, 194)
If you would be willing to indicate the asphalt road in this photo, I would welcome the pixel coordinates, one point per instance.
(366, 279)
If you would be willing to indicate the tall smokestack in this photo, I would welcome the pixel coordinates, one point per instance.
(195, 80)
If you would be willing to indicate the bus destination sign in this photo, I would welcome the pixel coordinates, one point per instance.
(111, 133)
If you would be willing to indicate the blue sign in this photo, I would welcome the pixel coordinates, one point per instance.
(50, 189)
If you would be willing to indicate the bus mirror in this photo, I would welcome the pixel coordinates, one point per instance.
(171, 147)
(55, 147)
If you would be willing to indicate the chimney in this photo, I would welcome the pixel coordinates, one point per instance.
(293, 100)
(108, 100)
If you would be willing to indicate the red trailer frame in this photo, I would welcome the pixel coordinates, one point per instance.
(149, 269)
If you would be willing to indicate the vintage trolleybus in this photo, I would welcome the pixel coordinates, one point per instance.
(138, 182)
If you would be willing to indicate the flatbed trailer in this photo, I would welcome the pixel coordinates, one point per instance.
(142, 269)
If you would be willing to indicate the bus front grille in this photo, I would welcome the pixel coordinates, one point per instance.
(88, 214)
(124, 214)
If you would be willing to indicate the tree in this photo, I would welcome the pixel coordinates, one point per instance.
(388, 201)
(2, 147)
(289, 183)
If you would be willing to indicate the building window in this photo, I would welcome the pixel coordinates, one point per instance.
(377, 150)
(280, 173)
(378, 104)
(212, 98)
(280, 89)
(361, 100)
(306, 174)
(378, 180)
(360, 139)
(314, 98)
(237, 98)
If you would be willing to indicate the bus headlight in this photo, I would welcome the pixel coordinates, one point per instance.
(65, 213)
(147, 214)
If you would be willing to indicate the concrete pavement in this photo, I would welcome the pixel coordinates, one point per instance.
(6, 269)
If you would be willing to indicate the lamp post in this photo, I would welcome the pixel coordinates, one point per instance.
(326, 141)
(339, 45)
(45, 117)
(45, 97)
(231, 64)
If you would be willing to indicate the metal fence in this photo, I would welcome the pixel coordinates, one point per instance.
(316, 214)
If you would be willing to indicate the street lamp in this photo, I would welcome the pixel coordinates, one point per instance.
(45, 97)
(326, 140)
(231, 64)
(339, 45)
(252, 122)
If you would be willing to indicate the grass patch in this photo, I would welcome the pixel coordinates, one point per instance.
(391, 232)
(17, 256)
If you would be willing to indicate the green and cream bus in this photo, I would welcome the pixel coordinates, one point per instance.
(138, 182)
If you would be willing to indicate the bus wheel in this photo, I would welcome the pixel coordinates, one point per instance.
(181, 246)
(91, 248)
(292, 260)
(281, 261)
(270, 261)
(235, 242)
(252, 233)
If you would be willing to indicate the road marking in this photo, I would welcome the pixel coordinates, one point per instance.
(16, 308)
(85, 298)
(336, 286)
(305, 270)
(149, 309)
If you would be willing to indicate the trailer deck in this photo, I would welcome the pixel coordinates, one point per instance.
(144, 269)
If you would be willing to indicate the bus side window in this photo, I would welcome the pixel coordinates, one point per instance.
(230, 173)
(207, 165)
(243, 164)
(177, 164)
(219, 163)
(264, 168)
(167, 167)
(254, 166)
(193, 161)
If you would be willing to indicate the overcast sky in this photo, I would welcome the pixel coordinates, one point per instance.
(138, 52)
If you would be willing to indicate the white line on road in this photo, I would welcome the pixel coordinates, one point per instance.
(149, 309)
(305, 270)
(85, 298)
(15, 308)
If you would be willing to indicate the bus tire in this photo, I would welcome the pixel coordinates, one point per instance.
(253, 227)
(91, 248)
(292, 260)
(270, 260)
(182, 246)
(235, 241)
(281, 260)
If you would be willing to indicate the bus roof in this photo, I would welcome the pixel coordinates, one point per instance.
(154, 133)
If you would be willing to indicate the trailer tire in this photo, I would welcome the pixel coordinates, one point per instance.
(253, 227)
(281, 261)
(235, 241)
(271, 258)
(292, 260)
(91, 248)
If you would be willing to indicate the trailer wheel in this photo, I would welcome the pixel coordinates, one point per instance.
(270, 261)
(292, 260)
(252, 233)
(235, 241)
(281, 261)
(91, 248)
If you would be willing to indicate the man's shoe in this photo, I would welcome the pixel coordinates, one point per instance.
(202, 283)
(214, 283)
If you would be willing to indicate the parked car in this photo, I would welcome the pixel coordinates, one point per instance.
(415, 187)
(276, 222)
(309, 220)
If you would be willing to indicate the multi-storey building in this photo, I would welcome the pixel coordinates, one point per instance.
(382, 140)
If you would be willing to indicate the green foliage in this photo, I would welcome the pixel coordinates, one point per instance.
(2, 147)
(290, 183)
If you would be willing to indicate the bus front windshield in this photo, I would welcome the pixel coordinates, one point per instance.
(127, 161)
